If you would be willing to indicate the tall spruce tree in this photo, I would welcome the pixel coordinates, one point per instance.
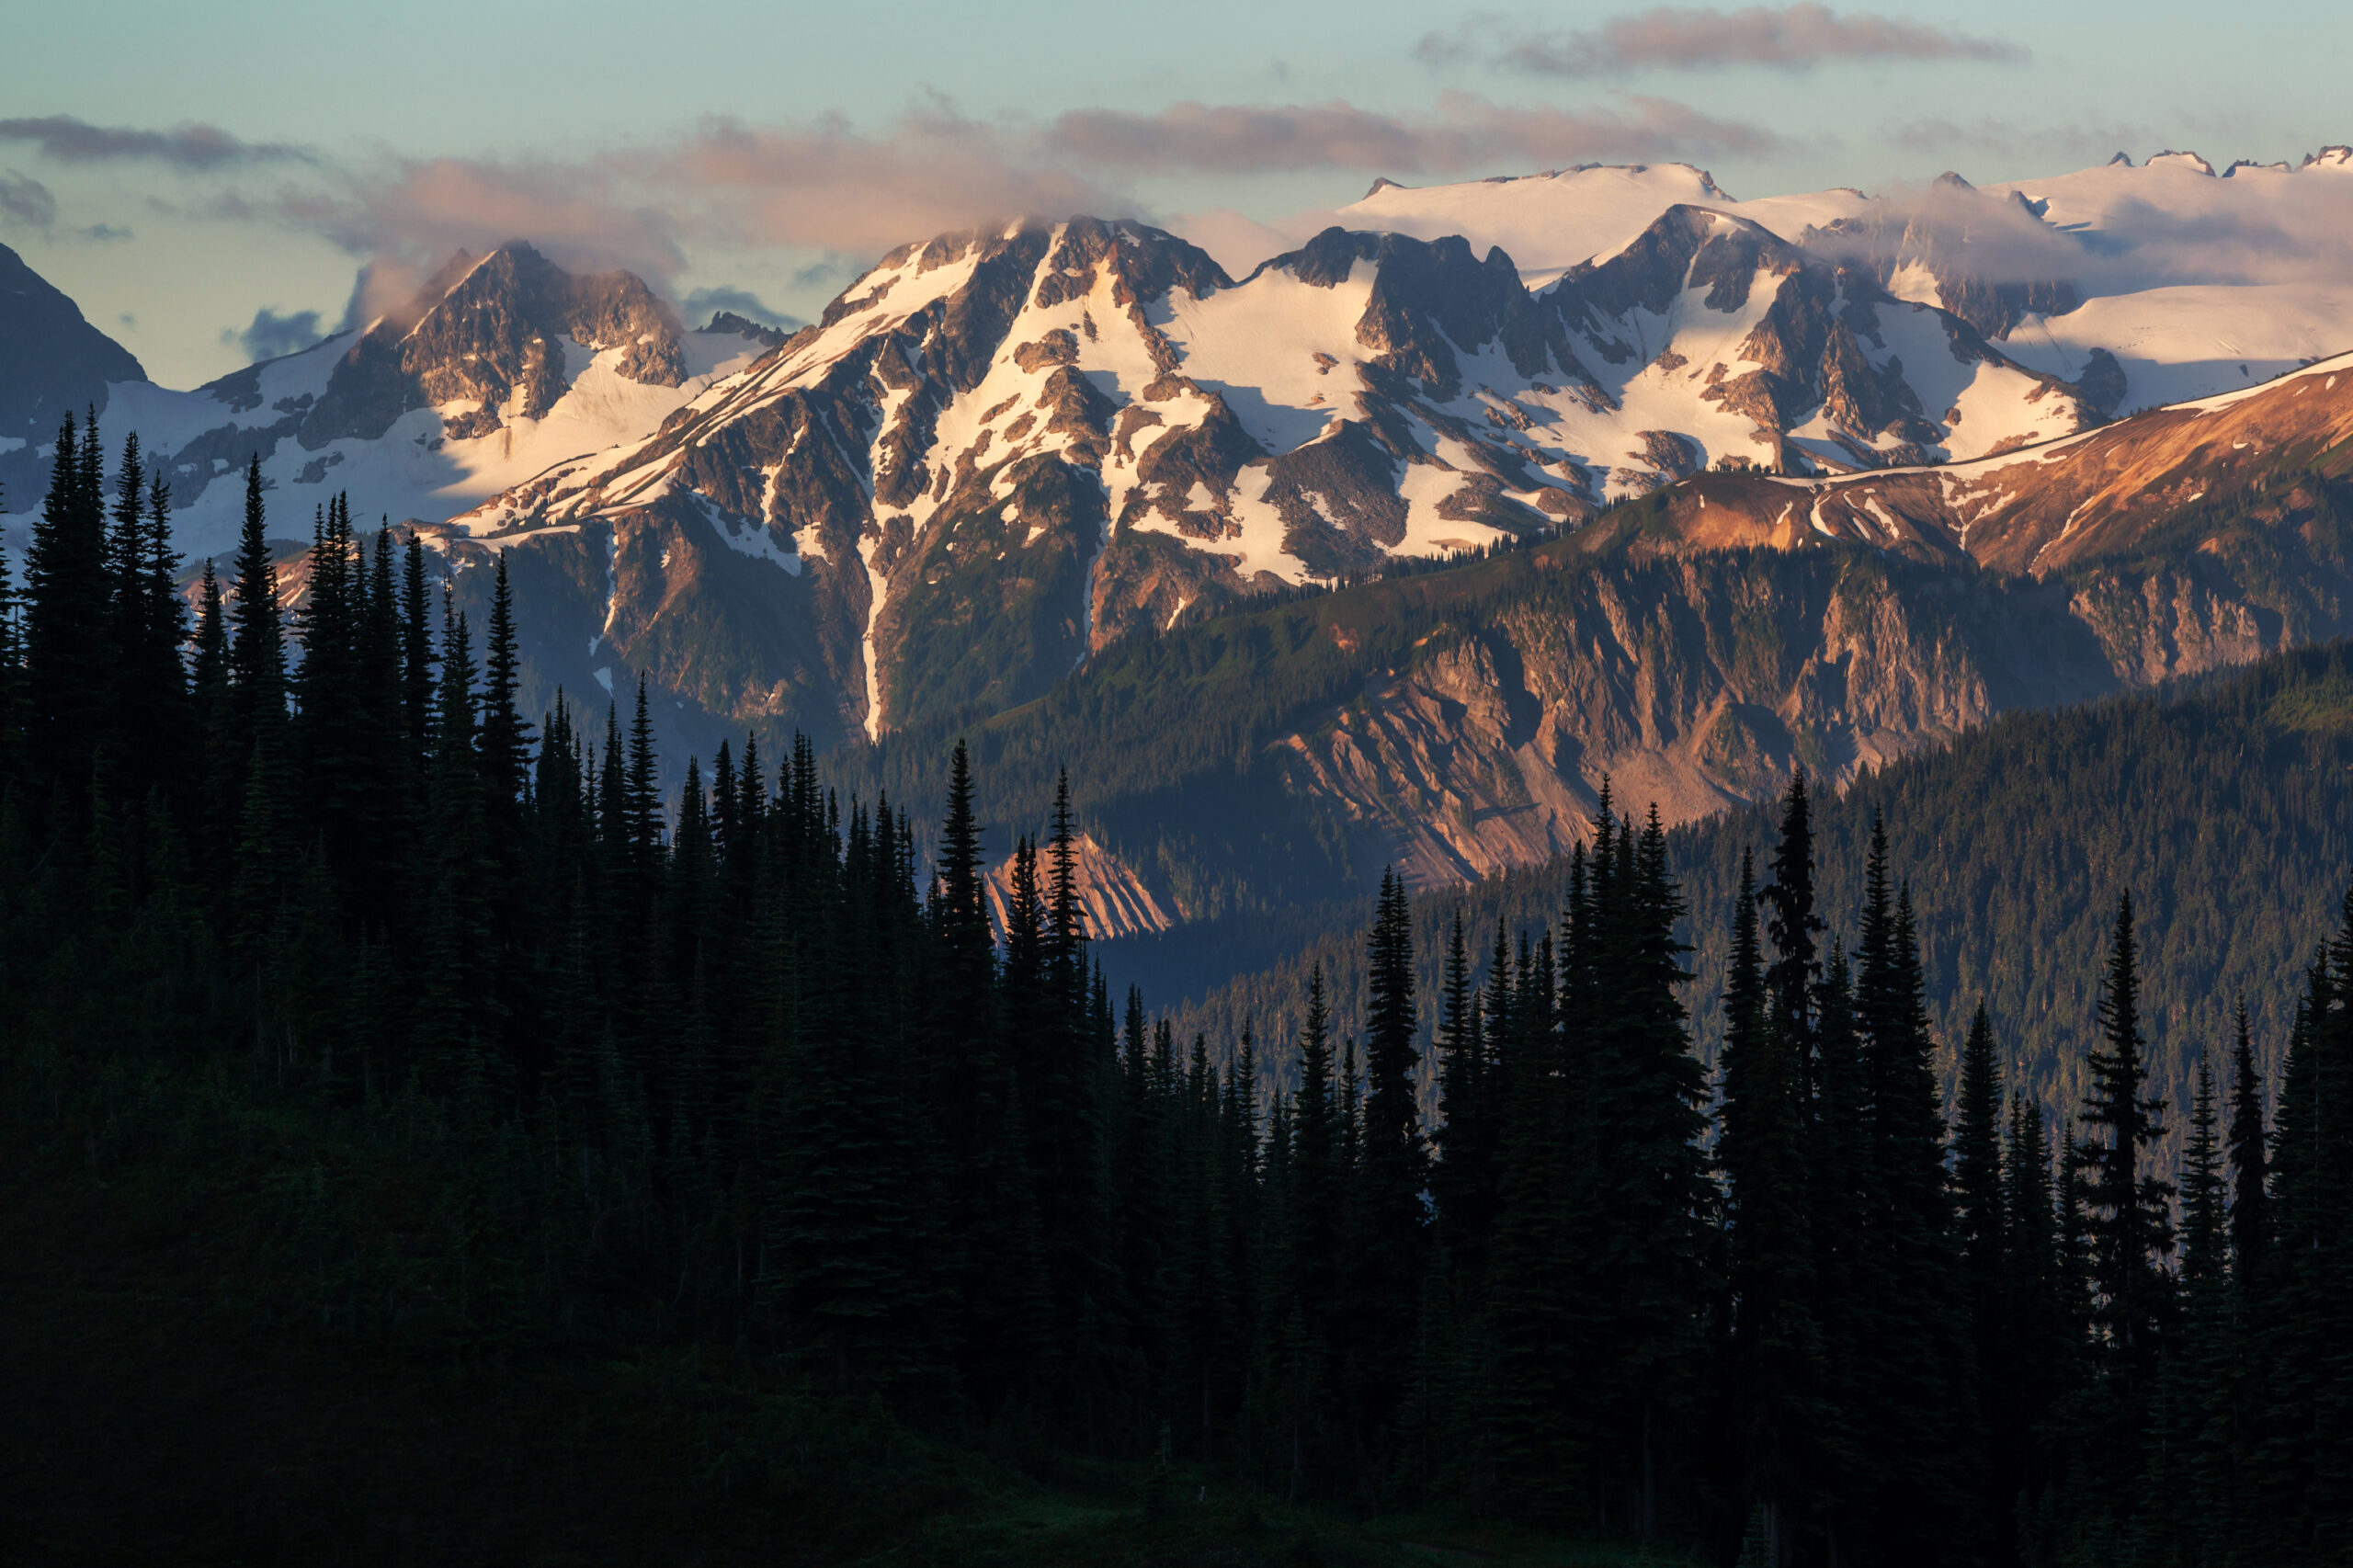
(68, 652)
(1776, 1353)
(2249, 1163)
(1389, 1249)
(2128, 1230)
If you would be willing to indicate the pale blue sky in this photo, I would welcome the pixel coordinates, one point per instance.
(594, 106)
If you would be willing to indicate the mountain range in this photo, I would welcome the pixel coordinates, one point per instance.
(1729, 486)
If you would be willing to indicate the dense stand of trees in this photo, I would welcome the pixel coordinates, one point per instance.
(722, 1069)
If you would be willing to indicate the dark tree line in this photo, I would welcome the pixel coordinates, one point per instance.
(754, 1067)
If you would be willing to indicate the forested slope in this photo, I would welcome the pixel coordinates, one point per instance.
(2224, 806)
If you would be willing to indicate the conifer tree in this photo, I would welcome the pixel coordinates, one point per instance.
(216, 721)
(257, 641)
(2249, 1164)
(1389, 1250)
(12, 681)
(1769, 1017)
(2129, 1212)
(1462, 1179)
(416, 656)
(67, 651)
(2128, 1229)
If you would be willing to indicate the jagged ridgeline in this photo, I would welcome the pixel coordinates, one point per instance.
(2225, 806)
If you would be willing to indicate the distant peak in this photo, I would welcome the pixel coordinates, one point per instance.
(730, 322)
(2123, 158)
(2186, 160)
(2332, 157)
(1383, 182)
(1949, 180)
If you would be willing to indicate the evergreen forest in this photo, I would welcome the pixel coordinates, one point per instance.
(422, 1033)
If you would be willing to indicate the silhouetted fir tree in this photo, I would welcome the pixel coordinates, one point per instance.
(1982, 1237)
(416, 655)
(2307, 1309)
(157, 732)
(1840, 1185)
(1639, 1217)
(386, 794)
(215, 717)
(2193, 1482)
(506, 742)
(1390, 1247)
(1776, 1341)
(1462, 1178)
(457, 1011)
(1977, 1179)
(12, 683)
(1066, 1119)
(1539, 1335)
(2041, 1333)
(2128, 1232)
(331, 720)
(1310, 1292)
(126, 605)
(258, 643)
(2250, 1219)
(1923, 1438)
(68, 652)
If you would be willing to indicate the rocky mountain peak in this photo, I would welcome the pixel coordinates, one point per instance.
(490, 332)
(53, 362)
(735, 325)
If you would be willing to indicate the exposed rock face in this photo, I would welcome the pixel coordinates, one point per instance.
(488, 331)
(52, 363)
(1114, 900)
(1692, 682)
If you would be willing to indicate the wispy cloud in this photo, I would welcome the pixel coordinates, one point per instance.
(270, 335)
(1467, 134)
(1790, 37)
(24, 200)
(74, 140)
(829, 187)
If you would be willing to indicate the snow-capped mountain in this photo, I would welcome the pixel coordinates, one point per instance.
(999, 452)
(1036, 440)
(2196, 282)
(499, 366)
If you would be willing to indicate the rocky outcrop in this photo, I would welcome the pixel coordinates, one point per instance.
(1113, 899)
